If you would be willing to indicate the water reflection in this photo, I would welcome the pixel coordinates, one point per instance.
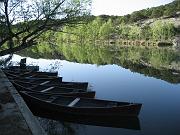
(161, 63)
(147, 76)
(54, 127)
(116, 122)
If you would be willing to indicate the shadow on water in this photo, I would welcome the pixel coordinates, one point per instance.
(169, 75)
(115, 122)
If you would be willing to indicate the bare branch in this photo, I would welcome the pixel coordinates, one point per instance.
(25, 22)
(2, 9)
(13, 8)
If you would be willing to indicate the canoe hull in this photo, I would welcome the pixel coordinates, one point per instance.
(33, 68)
(132, 110)
(40, 79)
(29, 73)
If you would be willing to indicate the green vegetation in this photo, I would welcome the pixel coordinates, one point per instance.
(162, 30)
(129, 27)
(159, 63)
(99, 30)
(23, 22)
(46, 22)
(101, 55)
(168, 10)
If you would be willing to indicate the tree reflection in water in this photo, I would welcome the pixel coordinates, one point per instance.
(161, 63)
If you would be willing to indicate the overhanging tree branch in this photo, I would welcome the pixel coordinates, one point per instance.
(25, 22)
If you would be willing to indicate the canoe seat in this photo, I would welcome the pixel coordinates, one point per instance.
(74, 102)
(47, 89)
(44, 83)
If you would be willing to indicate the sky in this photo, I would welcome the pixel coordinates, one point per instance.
(123, 7)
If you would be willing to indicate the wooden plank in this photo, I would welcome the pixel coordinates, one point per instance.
(48, 89)
(74, 102)
(44, 83)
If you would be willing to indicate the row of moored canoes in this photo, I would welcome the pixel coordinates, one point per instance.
(48, 92)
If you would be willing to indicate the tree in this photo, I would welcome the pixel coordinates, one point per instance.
(157, 12)
(135, 32)
(94, 28)
(162, 30)
(106, 30)
(169, 12)
(146, 32)
(137, 15)
(23, 21)
(123, 30)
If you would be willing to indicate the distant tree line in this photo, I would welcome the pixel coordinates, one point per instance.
(100, 30)
(125, 27)
(168, 10)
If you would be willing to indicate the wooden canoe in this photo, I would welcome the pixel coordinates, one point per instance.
(76, 106)
(52, 82)
(40, 87)
(39, 80)
(34, 68)
(16, 76)
(52, 90)
(30, 73)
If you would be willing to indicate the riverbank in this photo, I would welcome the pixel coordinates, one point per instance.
(15, 116)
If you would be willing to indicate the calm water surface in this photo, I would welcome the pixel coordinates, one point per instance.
(161, 100)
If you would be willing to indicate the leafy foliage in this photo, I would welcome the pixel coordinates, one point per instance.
(23, 21)
(162, 30)
(149, 61)
(98, 30)
(129, 27)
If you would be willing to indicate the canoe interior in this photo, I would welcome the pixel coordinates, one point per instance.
(40, 88)
(62, 84)
(16, 68)
(56, 88)
(30, 73)
(83, 102)
(30, 77)
(56, 80)
(56, 91)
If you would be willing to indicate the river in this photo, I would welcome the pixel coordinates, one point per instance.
(151, 78)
